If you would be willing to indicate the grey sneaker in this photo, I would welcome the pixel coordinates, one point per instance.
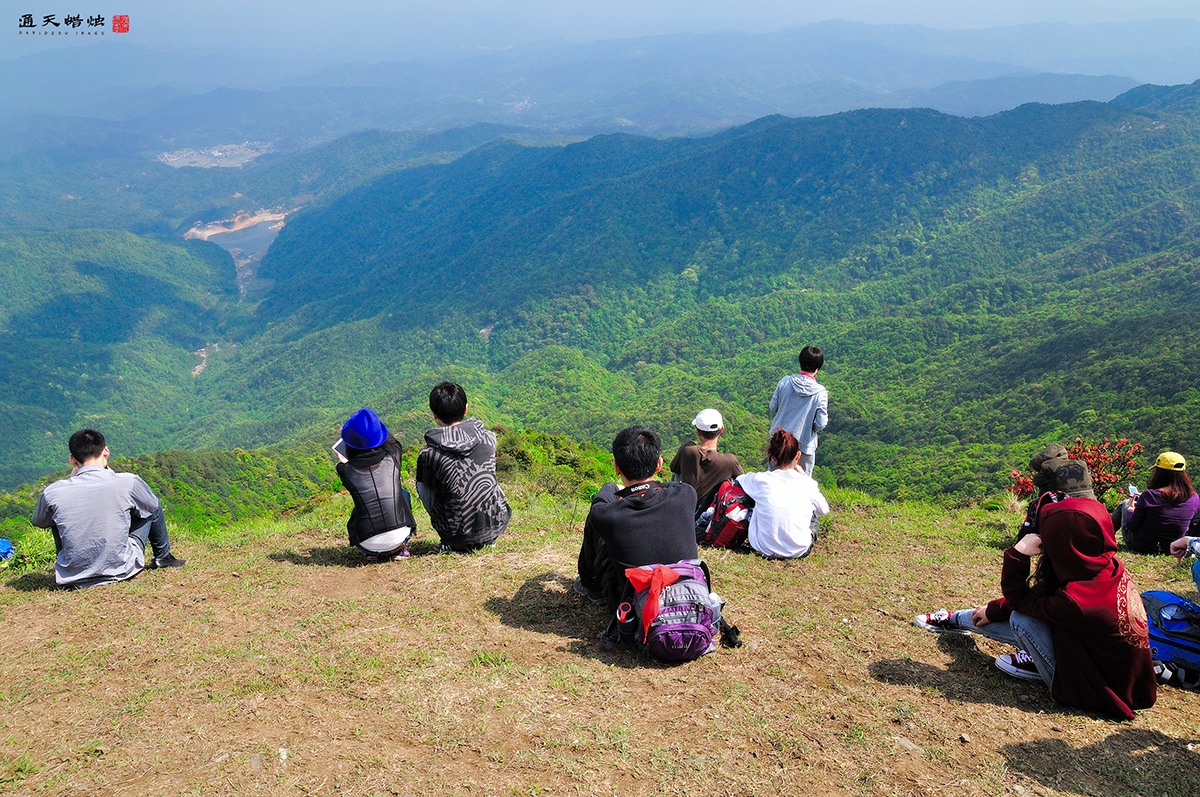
(940, 622)
(1019, 665)
(593, 595)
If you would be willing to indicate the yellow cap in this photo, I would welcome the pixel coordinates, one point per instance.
(1169, 460)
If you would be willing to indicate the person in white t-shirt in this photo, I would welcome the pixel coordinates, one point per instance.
(787, 502)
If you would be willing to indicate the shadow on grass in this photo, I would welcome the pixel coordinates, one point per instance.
(336, 556)
(547, 604)
(1131, 761)
(32, 582)
(970, 678)
(348, 555)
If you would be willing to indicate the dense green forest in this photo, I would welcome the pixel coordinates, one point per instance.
(980, 286)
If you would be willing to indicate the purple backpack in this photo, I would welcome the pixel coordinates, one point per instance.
(687, 622)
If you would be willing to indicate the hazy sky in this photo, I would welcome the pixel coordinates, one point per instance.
(402, 29)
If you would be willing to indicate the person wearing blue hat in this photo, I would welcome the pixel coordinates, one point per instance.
(382, 521)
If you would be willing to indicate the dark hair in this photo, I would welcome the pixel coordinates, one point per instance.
(707, 435)
(86, 444)
(811, 358)
(782, 448)
(1175, 485)
(448, 401)
(1044, 579)
(636, 450)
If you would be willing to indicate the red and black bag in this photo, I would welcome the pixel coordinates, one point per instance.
(730, 517)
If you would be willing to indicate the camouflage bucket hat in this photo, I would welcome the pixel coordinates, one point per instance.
(1045, 463)
(1073, 478)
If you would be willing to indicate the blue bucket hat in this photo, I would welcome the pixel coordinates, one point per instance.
(364, 430)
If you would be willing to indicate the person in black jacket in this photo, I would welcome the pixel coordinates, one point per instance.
(381, 522)
(643, 522)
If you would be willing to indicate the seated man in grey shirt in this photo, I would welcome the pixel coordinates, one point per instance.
(101, 520)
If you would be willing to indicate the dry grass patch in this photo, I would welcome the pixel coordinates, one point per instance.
(278, 662)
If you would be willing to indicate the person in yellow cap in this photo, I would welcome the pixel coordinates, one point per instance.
(1150, 521)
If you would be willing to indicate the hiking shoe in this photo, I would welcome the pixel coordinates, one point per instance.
(940, 622)
(167, 560)
(1019, 665)
(377, 558)
(593, 595)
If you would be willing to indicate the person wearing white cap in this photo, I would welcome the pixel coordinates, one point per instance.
(700, 465)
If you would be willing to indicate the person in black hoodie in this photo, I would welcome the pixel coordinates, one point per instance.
(456, 475)
(643, 522)
(381, 522)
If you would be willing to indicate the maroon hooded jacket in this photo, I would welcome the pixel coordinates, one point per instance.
(1101, 648)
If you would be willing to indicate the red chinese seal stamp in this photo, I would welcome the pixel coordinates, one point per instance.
(120, 23)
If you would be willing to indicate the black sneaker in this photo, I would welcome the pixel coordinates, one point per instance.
(168, 560)
(593, 595)
(940, 622)
(442, 548)
(1019, 665)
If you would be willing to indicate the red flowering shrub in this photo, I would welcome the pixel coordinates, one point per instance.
(1022, 484)
(1110, 462)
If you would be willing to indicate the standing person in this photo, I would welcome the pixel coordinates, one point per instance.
(801, 405)
(1080, 627)
(642, 522)
(381, 522)
(787, 503)
(456, 475)
(1152, 520)
(700, 465)
(101, 520)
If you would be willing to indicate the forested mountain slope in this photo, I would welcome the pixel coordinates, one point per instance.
(979, 285)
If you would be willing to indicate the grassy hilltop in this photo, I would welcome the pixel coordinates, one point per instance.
(277, 662)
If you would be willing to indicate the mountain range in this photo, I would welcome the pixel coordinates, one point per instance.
(683, 84)
(980, 286)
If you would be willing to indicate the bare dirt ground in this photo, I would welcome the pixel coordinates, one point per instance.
(278, 662)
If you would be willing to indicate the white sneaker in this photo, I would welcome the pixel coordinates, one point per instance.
(1019, 665)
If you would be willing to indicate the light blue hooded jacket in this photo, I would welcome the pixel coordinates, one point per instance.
(801, 406)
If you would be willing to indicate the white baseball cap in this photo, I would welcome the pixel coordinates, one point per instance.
(708, 420)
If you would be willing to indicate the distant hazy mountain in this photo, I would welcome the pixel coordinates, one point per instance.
(984, 97)
(664, 85)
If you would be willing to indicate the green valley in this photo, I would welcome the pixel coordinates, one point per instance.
(980, 286)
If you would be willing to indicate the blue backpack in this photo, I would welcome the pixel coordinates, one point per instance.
(1174, 625)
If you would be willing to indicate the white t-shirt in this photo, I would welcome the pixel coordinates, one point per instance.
(784, 504)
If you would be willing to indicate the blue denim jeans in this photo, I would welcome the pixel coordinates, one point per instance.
(153, 530)
(1025, 632)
